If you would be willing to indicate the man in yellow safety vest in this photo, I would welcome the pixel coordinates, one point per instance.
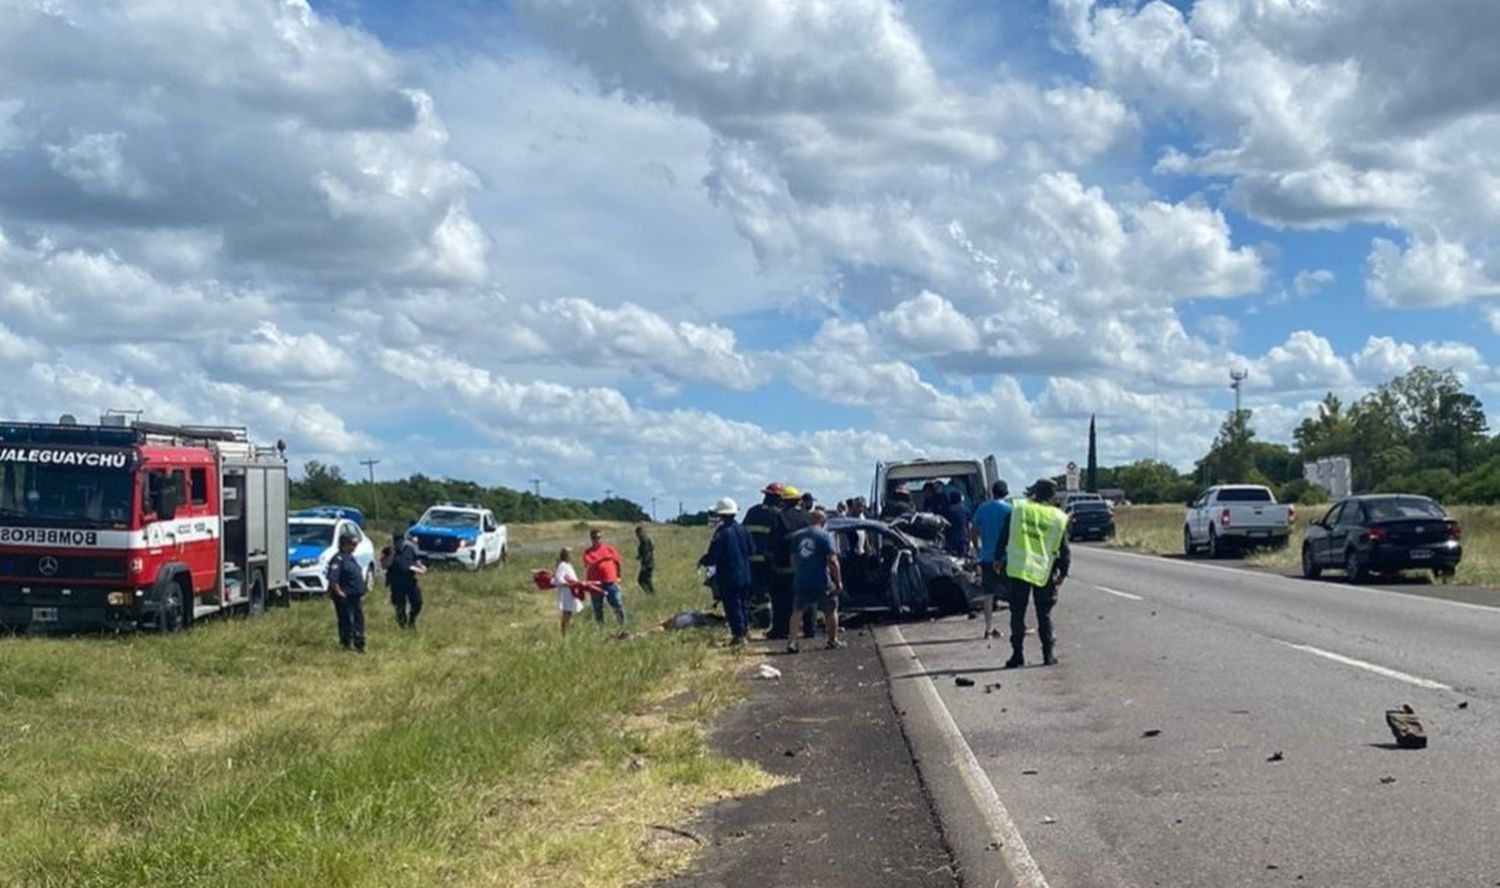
(1036, 562)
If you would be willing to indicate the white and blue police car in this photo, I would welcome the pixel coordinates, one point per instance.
(465, 534)
(312, 539)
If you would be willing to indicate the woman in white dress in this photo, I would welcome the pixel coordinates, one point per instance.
(565, 580)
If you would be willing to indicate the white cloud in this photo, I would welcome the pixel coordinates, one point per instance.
(1312, 280)
(928, 325)
(1304, 361)
(1322, 114)
(1382, 358)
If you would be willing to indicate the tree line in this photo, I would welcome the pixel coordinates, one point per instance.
(1420, 433)
(399, 501)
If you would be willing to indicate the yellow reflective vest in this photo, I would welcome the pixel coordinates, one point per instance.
(1036, 535)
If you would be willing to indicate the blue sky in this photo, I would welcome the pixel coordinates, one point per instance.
(681, 247)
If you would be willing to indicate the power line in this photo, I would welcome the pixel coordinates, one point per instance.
(374, 491)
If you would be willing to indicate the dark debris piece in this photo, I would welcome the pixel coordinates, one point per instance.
(1276, 757)
(1406, 728)
(1154, 732)
(964, 681)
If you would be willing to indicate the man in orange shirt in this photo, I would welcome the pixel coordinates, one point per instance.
(601, 563)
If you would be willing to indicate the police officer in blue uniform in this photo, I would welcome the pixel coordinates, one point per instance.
(346, 586)
(401, 570)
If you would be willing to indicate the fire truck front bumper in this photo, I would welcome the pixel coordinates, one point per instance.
(41, 608)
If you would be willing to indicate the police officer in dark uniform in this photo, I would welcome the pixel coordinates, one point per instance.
(346, 586)
(401, 574)
(793, 519)
(763, 521)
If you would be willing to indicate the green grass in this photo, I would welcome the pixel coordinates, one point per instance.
(482, 750)
(1158, 529)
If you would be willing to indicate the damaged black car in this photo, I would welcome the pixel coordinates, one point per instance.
(887, 567)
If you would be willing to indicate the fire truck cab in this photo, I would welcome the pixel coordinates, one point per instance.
(138, 524)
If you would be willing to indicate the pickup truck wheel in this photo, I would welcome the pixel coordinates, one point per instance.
(1188, 549)
(1354, 570)
(504, 554)
(1217, 548)
(484, 559)
(1310, 568)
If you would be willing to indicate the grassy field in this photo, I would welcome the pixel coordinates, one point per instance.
(482, 750)
(1158, 529)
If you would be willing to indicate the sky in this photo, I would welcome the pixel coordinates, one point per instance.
(676, 249)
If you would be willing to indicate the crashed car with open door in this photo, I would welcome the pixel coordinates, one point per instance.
(884, 568)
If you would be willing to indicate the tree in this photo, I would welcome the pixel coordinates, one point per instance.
(324, 483)
(1091, 482)
(1231, 459)
(1153, 481)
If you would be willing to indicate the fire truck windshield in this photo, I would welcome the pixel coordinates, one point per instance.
(58, 495)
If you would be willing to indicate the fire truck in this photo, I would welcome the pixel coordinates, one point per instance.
(131, 524)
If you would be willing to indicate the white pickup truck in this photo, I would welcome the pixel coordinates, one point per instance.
(1233, 517)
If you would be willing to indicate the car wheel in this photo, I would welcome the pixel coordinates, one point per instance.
(1188, 549)
(172, 609)
(504, 554)
(1310, 568)
(484, 559)
(1354, 569)
(1443, 574)
(1217, 548)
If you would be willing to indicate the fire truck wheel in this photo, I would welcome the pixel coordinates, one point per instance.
(172, 609)
(257, 603)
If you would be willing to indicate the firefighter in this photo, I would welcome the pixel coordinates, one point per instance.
(1036, 563)
(793, 519)
(346, 586)
(763, 521)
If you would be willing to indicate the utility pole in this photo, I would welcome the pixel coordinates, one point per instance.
(536, 487)
(653, 509)
(374, 491)
(1237, 381)
(609, 492)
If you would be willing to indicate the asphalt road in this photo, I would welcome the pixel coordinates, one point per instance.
(1233, 668)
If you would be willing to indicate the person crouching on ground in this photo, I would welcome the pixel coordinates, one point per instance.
(346, 588)
(565, 581)
(401, 572)
(818, 581)
(729, 555)
(601, 563)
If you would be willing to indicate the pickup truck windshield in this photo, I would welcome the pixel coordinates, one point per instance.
(445, 518)
(1244, 495)
(53, 495)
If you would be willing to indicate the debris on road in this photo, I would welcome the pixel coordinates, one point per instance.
(1154, 732)
(992, 688)
(1028, 771)
(1464, 705)
(1406, 727)
(1049, 820)
(767, 672)
(964, 681)
(1388, 779)
(1276, 757)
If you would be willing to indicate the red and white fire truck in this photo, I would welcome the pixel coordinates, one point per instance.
(135, 524)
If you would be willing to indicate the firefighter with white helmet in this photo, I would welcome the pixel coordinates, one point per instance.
(729, 555)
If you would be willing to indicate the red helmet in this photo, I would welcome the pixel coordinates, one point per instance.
(775, 489)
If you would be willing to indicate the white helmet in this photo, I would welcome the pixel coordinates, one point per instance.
(725, 506)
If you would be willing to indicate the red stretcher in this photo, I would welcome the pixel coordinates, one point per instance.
(543, 581)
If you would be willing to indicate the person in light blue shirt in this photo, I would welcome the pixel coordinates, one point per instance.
(985, 532)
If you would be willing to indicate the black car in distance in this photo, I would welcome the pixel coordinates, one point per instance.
(1090, 519)
(1383, 534)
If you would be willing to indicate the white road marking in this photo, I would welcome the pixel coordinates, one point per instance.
(1371, 667)
(1125, 595)
(1001, 826)
(1245, 572)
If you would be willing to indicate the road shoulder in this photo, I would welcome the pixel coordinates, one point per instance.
(853, 812)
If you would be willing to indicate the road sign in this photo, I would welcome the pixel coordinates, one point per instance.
(1071, 477)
